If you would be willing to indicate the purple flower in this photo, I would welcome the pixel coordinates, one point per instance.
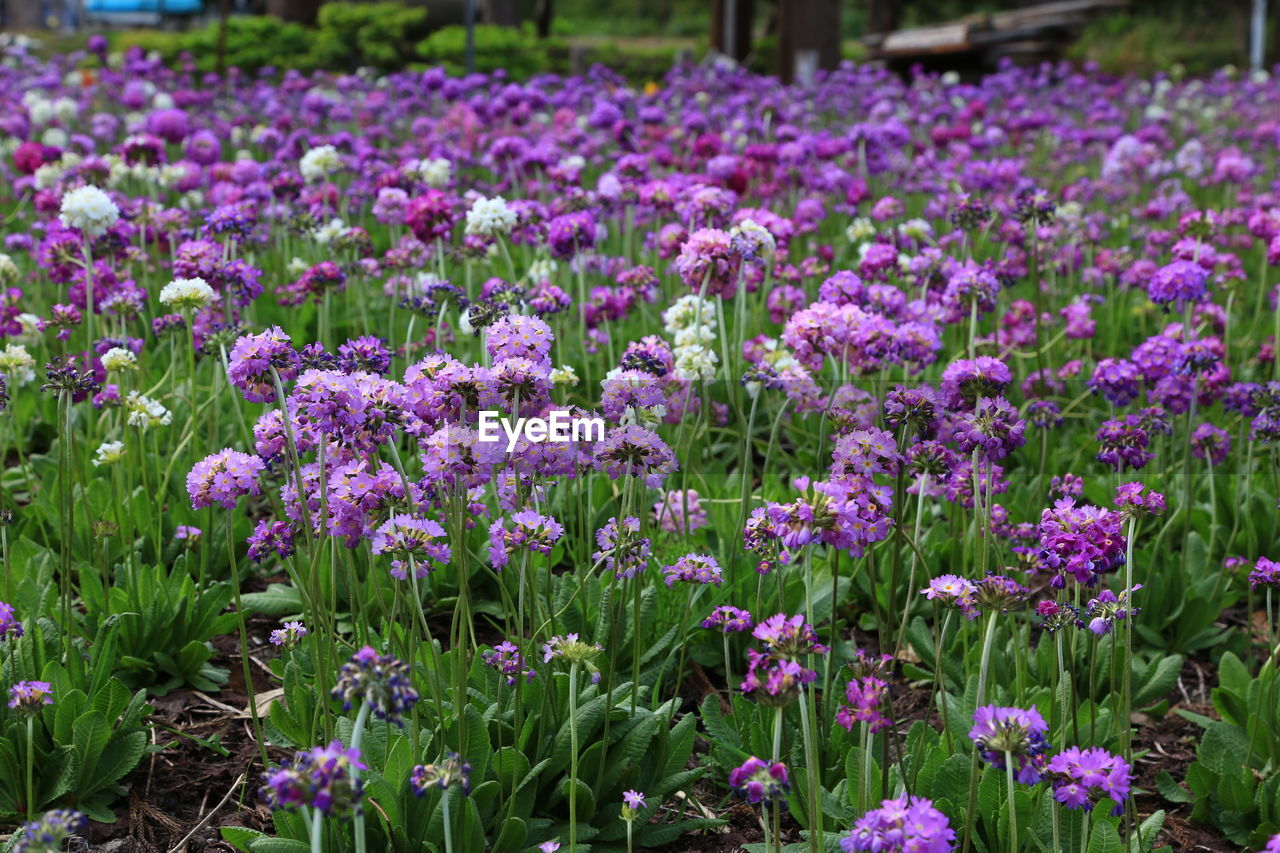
(30, 696)
(506, 659)
(1265, 572)
(319, 778)
(758, 781)
(529, 532)
(788, 636)
(864, 698)
(955, 591)
(965, 381)
(576, 652)
(1081, 776)
(271, 536)
(1109, 608)
(1273, 846)
(1080, 541)
(224, 477)
(623, 550)
(1179, 283)
(288, 636)
(49, 832)
(517, 336)
(729, 619)
(254, 357)
(571, 233)
(411, 542)
(1123, 444)
(1117, 380)
(671, 515)
(694, 568)
(1133, 503)
(632, 800)
(904, 825)
(448, 773)
(1004, 734)
(707, 262)
(634, 451)
(1211, 443)
(380, 681)
(9, 624)
(992, 427)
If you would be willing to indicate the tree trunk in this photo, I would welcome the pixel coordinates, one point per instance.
(732, 25)
(808, 38)
(296, 11)
(883, 16)
(542, 18)
(503, 13)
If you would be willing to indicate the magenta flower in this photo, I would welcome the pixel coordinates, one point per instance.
(728, 619)
(254, 358)
(1011, 734)
(1081, 776)
(758, 781)
(9, 624)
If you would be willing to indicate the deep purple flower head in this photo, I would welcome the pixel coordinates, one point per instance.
(1080, 541)
(1134, 502)
(1123, 444)
(993, 428)
(271, 536)
(1211, 443)
(1178, 283)
(708, 264)
(411, 541)
(634, 451)
(758, 781)
(967, 380)
(320, 778)
(1108, 608)
(571, 233)
(1266, 572)
(865, 699)
(452, 771)
(9, 624)
(1080, 777)
(506, 659)
(1002, 734)
(224, 477)
(381, 681)
(788, 636)
(904, 825)
(1117, 380)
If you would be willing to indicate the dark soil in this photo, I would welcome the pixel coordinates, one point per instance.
(180, 796)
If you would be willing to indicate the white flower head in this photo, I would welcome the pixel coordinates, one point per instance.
(319, 162)
(109, 453)
(17, 364)
(187, 294)
(565, 375)
(436, 172)
(860, 229)
(490, 217)
(90, 210)
(145, 412)
(8, 270)
(119, 359)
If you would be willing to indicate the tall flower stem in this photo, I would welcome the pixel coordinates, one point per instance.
(448, 824)
(1013, 807)
(357, 739)
(31, 762)
(1127, 692)
(573, 757)
(244, 648)
(315, 831)
(983, 668)
(811, 772)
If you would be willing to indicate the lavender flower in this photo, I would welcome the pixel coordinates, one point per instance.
(758, 781)
(29, 697)
(320, 778)
(904, 825)
(1011, 734)
(453, 771)
(728, 619)
(1081, 776)
(254, 357)
(623, 550)
(224, 477)
(506, 659)
(411, 541)
(381, 681)
(1265, 572)
(574, 651)
(289, 635)
(9, 624)
(50, 832)
(693, 568)
(529, 532)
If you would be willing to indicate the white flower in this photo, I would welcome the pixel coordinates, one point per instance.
(66, 110)
(187, 294)
(55, 136)
(297, 266)
(684, 313)
(119, 359)
(917, 229)
(319, 162)
(490, 217)
(48, 175)
(90, 210)
(8, 270)
(565, 375)
(541, 269)
(109, 453)
(436, 172)
(325, 234)
(162, 101)
(860, 229)
(32, 328)
(693, 336)
(145, 412)
(17, 364)
(695, 362)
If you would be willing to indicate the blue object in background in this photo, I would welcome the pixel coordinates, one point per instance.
(166, 7)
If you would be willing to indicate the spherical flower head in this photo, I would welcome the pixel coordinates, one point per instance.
(571, 233)
(50, 832)
(1211, 443)
(1123, 444)
(632, 450)
(1080, 777)
(864, 698)
(518, 336)
(255, 360)
(271, 536)
(904, 825)
(28, 697)
(1108, 608)
(758, 781)
(506, 659)
(1002, 734)
(1178, 283)
(694, 568)
(119, 360)
(224, 477)
(319, 778)
(967, 380)
(999, 594)
(381, 681)
(708, 263)
(972, 284)
(89, 210)
(729, 619)
(319, 162)
(624, 551)
(9, 624)
(411, 541)
(452, 771)
(1082, 542)
(108, 453)
(574, 652)
(993, 428)
(288, 636)
(187, 294)
(632, 802)
(490, 217)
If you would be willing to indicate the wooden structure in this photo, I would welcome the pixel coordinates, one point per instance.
(978, 42)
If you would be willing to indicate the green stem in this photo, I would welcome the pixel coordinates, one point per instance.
(1013, 807)
(573, 757)
(357, 739)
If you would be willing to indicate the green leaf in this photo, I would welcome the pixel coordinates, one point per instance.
(240, 837)
(1103, 838)
(1171, 790)
(279, 845)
